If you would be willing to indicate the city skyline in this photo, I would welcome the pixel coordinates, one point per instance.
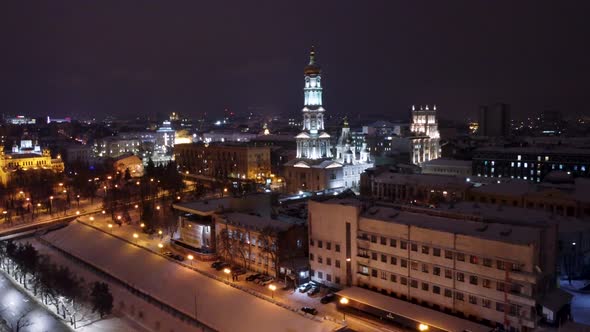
(380, 58)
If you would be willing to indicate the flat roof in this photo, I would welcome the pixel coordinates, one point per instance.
(412, 311)
(537, 150)
(426, 179)
(203, 206)
(255, 222)
(461, 224)
(448, 162)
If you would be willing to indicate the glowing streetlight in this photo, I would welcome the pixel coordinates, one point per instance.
(142, 225)
(136, 206)
(103, 212)
(119, 218)
(77, 213)
(227, 271)
(160, 245)
(135, 236)
(61, 184)
(272, 288)
(178, 197)
(343, 301)
(348, 259)
(110, 226)
(160, 232)
(423, 327)
(91, 218)
(157, 207)
(190, 258)
(137, 183)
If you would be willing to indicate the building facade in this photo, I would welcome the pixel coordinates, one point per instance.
(224, 160)
(530, 163)
(494, 121)
(490, 272)
(425, 138)
(315, 168)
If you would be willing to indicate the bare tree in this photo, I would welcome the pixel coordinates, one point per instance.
(22, 321)
(269, 238)
(241, 247)
(225, 244)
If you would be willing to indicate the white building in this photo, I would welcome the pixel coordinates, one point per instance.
(443, 166)
(315, 169)
(494, 271)
(425, 137)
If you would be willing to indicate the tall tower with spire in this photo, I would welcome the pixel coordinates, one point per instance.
(313, 142)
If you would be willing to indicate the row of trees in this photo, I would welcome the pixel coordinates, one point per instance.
(72, 297)
(236, 245)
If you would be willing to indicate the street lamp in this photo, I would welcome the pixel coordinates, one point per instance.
(423, 327)
(104, 212)
(142, 225)
(160, 245)
(110, 228)
(78, 213)
(343, 301)
(158, 207)
(227, 271)
(273, 288)
(135, 236)
(136, 206)
(190, 258)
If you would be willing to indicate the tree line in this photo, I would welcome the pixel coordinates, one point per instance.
(73, 297)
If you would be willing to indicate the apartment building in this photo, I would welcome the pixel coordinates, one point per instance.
(494, 273)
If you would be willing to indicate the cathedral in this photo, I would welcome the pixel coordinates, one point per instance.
(317, 166)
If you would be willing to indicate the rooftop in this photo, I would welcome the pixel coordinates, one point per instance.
(460, 224)
(537, 150)
(448, 162)
(424, 179)
(253, 221)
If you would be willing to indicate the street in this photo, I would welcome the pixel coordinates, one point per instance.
(18, 309)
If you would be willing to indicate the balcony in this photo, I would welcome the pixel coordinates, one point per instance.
(363, 242)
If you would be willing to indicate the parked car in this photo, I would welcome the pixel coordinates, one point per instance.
(313, 291)
(328, 298)
(309, 310)
(216, 264)
(265, 280)
(222, 266)
(305, 287)
(238, 271)
(179, 258)
(167, 254)
(253, 277)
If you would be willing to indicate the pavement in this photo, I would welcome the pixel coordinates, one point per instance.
(290, 298)
(581, 301)
(16, 303)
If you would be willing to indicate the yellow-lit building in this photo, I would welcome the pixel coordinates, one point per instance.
(28, 161)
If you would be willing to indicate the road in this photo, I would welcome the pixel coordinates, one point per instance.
(293, 299)
(16, 305)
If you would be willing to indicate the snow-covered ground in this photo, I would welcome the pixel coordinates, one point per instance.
(214, 303)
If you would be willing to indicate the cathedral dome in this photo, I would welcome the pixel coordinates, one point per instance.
(312, 68)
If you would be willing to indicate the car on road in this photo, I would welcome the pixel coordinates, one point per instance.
(305, 287)
(178, 257)
(222, 266)
(313, 291)
(253, 277)
(216, 264)
(328, 298)
(309, 310)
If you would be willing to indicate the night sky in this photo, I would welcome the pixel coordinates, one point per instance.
(378, 57)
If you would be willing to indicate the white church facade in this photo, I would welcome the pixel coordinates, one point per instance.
(317, 167)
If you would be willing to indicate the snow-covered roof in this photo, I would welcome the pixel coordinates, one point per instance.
(458, 224)
(444, 162)
(252, 221)
(203, 207)
(422, 179)
(512, 188)
(537, 150)
(413, 311)
(220, 306)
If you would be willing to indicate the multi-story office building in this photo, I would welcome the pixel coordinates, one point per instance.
(425, 138)
(496, 273)
(443, 166)
(218, 160)
(530, 163)
(383, 184)
(494, 120)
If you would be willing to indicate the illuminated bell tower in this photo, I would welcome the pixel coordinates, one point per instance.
(313, 142)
